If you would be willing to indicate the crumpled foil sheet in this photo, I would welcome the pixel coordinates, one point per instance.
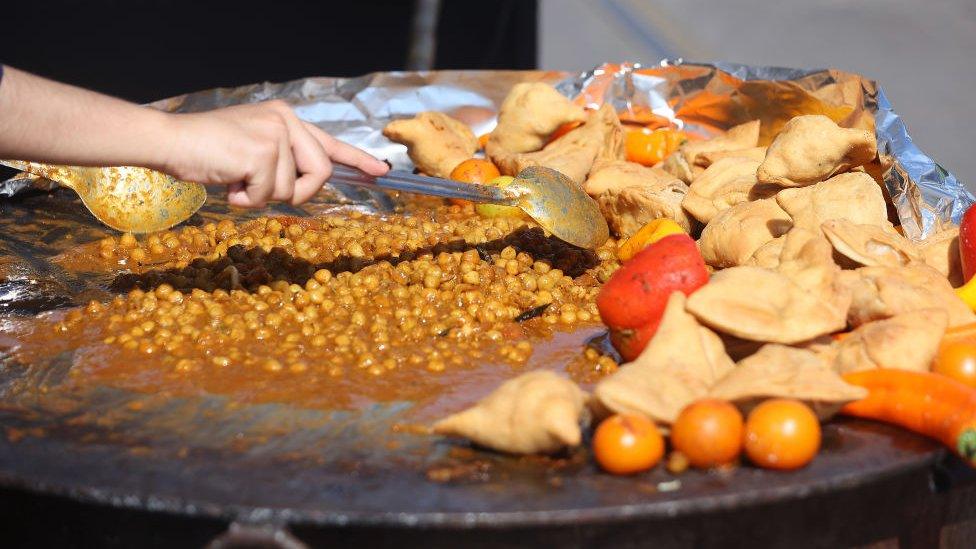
(700, 97)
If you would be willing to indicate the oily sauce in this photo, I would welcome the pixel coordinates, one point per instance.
(333, 312)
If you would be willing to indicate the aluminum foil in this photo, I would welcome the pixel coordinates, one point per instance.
(700, 97)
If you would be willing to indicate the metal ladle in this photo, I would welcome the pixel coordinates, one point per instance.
(136, 200)
(553, 200)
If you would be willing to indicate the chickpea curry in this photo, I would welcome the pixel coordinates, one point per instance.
(331, 312)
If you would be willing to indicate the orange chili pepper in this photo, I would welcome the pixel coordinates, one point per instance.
(929, 404)
(563, 130)
(654, 230)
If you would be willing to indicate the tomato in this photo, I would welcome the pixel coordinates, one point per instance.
(632, 301)
(625, 444)
(483, 140)
(709, 433)
(648, 147)
(629, 342)
(967, 243)
(638, 291)
(494, 210)
(473, 170)
(957, 359)
(782, 434)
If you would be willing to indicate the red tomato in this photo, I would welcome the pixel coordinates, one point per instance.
(632, 301)
(629, 342)
(638, 291)
(967, 243)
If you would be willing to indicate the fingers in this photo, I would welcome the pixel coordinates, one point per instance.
(237, 196)
(260, 185)
(294, 159)
(307, 185)
(310, 159)
(284, 185)
(345, 153)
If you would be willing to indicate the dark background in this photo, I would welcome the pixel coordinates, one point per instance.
(145, 50)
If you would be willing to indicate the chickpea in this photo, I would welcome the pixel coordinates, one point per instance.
(128, 240)
(138, 255)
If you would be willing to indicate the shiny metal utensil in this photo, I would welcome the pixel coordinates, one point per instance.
(550, 198)
(136, 200)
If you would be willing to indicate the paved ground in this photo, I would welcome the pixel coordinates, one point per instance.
(923, 52)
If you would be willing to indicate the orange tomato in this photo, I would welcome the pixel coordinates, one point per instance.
(473, 170)
(957, 359)
(782, 433)
(563, 130)
(709, 433)
(483, 140)
(625, 444)
(648, 147)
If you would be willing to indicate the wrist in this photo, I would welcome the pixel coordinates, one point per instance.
(164, 136)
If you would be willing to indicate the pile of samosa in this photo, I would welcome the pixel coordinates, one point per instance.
(801, 247)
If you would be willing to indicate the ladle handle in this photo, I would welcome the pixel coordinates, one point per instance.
(419, 184)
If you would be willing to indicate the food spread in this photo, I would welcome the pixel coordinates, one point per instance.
(765, 275)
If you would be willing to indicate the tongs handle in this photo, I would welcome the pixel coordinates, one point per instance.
(419, 184)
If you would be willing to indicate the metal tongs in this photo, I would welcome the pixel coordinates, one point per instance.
(553, 200)
(140, 200)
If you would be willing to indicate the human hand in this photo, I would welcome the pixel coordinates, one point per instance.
(262, 151)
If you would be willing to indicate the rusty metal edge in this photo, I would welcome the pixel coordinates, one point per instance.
(480, 520)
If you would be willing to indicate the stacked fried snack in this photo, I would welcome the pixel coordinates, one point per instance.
(810, 278)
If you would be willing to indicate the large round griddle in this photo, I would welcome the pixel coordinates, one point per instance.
(204, 456)
(359, 481)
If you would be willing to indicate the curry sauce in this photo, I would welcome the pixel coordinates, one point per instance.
(336, 311)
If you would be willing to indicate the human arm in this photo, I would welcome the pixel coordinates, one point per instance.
(261, 151)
